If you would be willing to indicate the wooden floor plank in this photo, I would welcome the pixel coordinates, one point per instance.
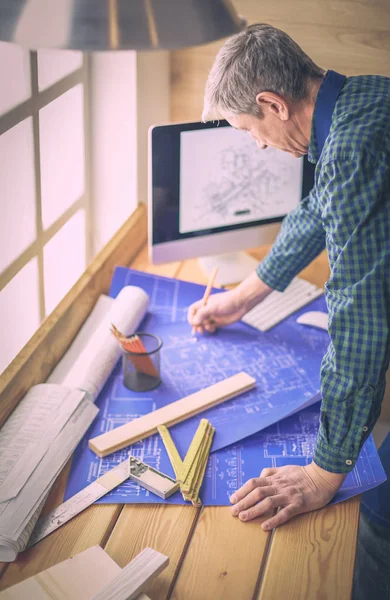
(165, 528)
(312, 557)
(224, 559)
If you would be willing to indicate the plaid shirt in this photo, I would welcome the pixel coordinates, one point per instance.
(348, 212)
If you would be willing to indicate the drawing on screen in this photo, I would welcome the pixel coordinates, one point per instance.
(247, 185)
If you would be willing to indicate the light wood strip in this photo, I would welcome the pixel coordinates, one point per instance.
(172, 413)
(224, 559)
(34, 363)
(89, 528)
(135, 577)
(313, 556)
(82, 576)
(166, 528)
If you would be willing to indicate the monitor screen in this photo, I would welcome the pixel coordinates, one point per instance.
(206, 179)
(225, 180)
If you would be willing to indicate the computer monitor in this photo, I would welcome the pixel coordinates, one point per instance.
(212, 192)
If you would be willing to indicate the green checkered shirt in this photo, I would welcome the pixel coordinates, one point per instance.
(348, 212)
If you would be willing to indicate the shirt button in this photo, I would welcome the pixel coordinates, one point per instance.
(365, 428)
(348, 462)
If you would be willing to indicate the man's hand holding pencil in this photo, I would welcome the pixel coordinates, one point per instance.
(219, 310)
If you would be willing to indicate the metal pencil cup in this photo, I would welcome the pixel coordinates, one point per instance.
(141, 368)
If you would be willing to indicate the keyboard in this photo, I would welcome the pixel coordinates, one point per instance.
(280, 305)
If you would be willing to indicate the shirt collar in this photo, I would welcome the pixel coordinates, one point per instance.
(323, 109)
(313, 152)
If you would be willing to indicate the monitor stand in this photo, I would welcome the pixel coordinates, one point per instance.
(232, 268)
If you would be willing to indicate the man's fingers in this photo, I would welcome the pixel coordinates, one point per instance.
(266, 506)
(268, 472)
(254, 497)
(284, 515)
(194, 312)
(250, 485)
(198, 329)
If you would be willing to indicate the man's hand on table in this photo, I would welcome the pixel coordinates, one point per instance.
(294, 489)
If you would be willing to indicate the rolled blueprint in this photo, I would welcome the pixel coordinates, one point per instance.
(99, 356)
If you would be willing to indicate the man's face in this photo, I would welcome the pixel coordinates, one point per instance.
(271, 131)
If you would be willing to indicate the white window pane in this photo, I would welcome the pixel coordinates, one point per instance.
(19, 312)
(55, 64)
(17, 192)
(61, 125)
(64, 260)
(14, 76)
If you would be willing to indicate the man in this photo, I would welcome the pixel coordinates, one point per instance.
(263, 83)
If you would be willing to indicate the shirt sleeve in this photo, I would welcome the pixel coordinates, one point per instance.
(300, 240)
(355, 206)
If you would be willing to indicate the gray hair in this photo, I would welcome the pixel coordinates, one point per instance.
(260, 58)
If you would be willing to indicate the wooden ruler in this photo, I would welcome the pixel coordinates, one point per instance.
(190, 472)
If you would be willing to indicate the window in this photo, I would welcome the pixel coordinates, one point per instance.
(44, 201)
(73, 156)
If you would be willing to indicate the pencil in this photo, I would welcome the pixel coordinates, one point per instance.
(207, 291)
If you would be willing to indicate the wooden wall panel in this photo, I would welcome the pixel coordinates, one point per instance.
(350, 36)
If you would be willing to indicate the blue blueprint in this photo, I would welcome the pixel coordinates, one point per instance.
(290, 441)
(285, 363)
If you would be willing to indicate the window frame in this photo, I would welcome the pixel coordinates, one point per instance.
(30, 108)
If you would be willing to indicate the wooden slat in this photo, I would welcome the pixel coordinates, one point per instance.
(89, 528)
(350, 14)
(349, 36)
(313, 556)
(37, 359)
(166, 529)
(82, 576)
(224, 560)
(170, 414)
(135, 577)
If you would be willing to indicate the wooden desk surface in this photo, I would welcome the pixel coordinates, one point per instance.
(213, 556)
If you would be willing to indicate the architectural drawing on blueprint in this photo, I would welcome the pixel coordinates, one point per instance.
(232, 181)
(289, 442)
(285, 362)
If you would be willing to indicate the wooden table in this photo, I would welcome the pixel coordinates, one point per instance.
(213, 556)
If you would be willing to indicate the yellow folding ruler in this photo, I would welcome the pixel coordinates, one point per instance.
(190, 472)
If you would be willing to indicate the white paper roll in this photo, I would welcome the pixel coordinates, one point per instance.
(100, 355)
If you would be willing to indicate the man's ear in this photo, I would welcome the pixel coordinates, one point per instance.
(277, 105)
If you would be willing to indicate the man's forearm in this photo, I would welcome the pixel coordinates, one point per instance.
(251, 291)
